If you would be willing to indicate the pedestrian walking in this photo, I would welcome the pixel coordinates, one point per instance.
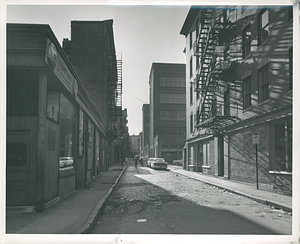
(136, 158)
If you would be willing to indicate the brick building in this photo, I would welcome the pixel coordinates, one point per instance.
(167, 111)
(239, 84)
(92, 52)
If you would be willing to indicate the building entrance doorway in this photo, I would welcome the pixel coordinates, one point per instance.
(18, 170)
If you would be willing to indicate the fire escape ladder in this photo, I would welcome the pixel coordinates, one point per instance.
(210, 76)
(119, 96)
(208, 44)
(119, 84)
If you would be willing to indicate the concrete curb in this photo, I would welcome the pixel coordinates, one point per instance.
(96, 212)
(254, 198)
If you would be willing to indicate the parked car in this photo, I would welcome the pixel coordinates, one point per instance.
(66, 162)
(149, 162)
(158, 163)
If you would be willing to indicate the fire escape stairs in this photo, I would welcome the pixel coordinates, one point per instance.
(206, 82)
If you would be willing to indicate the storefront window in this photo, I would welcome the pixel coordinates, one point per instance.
(53, 105)
(67, 133)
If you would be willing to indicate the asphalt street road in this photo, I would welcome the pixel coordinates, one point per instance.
(148, 201)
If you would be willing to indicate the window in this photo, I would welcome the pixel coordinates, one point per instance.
(191, 123)
(263, 81)
(191, 40)
(290, 13)
(16, 153)
(175, 98)
(191, 94)
(263, 28)
(67, 133)
(191, 67)
(283, 146)
(225, 17)
(22, 93)
(197, 28)
(226, 53)
(247, 92)
(227, 103)
(172, 115)
(246, 41)
(53, 105)
(169, 81)
(198, 116)
(214, 107)
(197, 62)
(291, 68)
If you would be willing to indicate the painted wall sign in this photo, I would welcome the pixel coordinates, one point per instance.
(61, 70)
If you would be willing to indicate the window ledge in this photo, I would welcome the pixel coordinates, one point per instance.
(247, 57)
(264, 102)
(280, 172)
(66, 173)
(206, 167)
(247, 109)
(263, 44)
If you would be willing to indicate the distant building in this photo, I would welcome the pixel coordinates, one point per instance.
(145, 132)
(126, 148)
(135, 143)
(240, 84)
(167, 111)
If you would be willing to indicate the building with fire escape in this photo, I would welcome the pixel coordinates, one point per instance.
(58, 137)
(92, 52)
(239, 87)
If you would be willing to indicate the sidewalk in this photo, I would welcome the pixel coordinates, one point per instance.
(75, 214)
(265, 197)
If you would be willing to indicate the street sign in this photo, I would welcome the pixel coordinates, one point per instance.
(255, 139)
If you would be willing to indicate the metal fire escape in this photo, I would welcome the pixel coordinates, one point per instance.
(119, 93)
(115, 95)
(211, 75)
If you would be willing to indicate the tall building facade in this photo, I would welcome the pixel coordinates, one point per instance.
(239, 76)
(145, 131)
(92, 52)
(167, 111)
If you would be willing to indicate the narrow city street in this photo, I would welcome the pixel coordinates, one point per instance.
(148, 201)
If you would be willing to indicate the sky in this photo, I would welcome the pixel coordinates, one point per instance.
(143, 34)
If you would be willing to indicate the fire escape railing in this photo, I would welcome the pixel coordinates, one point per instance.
(115, 95)
(119, 93)
(210, 74)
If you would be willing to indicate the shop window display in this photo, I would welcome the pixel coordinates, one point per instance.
(67, 133)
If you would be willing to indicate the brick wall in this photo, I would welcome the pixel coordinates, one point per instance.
(242, 155)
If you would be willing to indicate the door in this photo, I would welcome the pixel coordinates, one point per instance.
(18, 169)
(200, 155)
(220, 156)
